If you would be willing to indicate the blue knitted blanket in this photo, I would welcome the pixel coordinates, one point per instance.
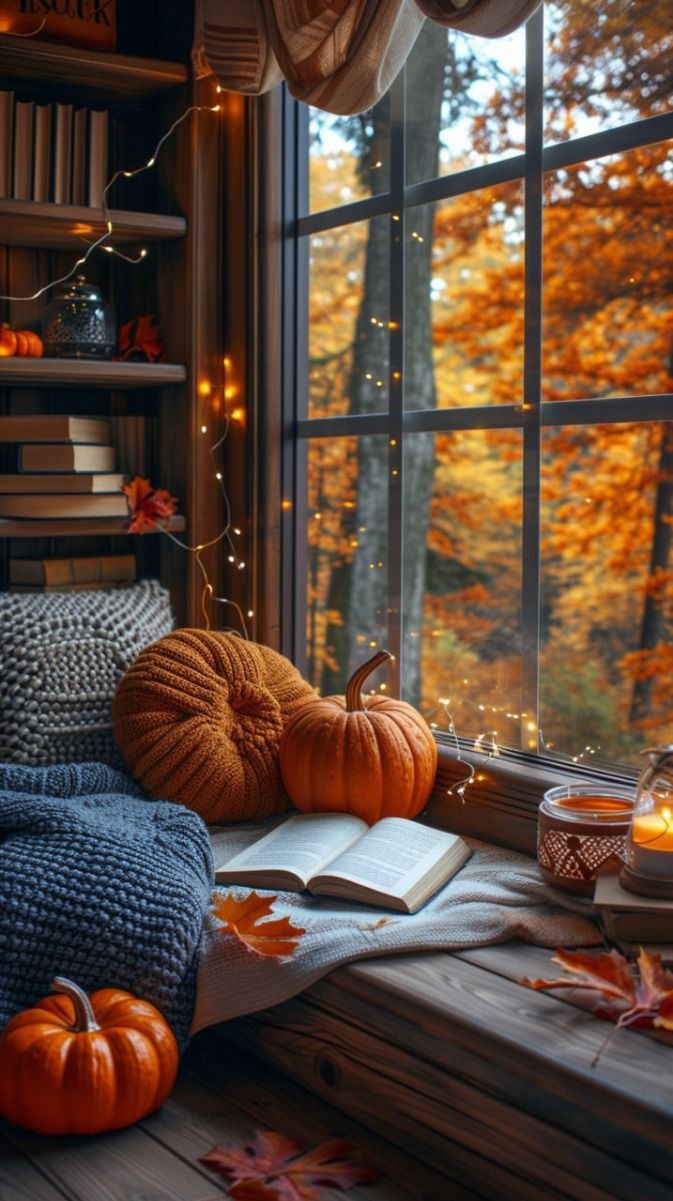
(99, 885)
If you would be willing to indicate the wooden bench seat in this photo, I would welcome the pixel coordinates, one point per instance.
(488, 1082)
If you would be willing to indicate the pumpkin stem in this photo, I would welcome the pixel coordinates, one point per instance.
(354, 701)
(85, 1018)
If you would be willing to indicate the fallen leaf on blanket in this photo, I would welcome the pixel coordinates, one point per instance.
(383, 921)
(273, 1168)
(243, 920)
(629, 995)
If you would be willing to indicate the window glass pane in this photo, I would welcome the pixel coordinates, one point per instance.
(347, 557)
(349, 156)
(464, 280)
(462, 580)
(349, 307)
(606, 64)
(607, 604)
(608, 242)
(465, 101)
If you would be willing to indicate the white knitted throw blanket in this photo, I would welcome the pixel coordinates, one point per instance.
(496, 896)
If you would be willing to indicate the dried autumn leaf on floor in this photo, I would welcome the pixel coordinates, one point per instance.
(147, 505)
(272, 1168)
(243, 919)
(642, 997)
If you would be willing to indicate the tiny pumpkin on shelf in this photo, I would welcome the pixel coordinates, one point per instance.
(81, 1065)
(372, 756)
(7, 342)
(24, 343)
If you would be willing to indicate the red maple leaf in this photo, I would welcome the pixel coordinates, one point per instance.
(147, 505)
(272, 1168)
(141, 339)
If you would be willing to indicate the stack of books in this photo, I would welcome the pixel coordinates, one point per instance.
(59, 467)
(87, 573)
(52, 152)
(628, 918)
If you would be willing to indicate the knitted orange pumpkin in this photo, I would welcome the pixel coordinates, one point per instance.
(198, 718)
(372, 756)
(79, 1065)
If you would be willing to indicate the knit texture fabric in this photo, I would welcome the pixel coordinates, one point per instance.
(62, 655)
(198, 719)
(99, 885)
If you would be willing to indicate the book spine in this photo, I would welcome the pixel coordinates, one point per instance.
(89, 569)
(79, 141)
(6, 142)
(98, 156)
(63, 154)
(23, 150)
(42, 164)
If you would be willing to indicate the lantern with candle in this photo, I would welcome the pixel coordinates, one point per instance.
(648, 866)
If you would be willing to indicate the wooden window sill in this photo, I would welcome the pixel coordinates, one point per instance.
(485, 1081)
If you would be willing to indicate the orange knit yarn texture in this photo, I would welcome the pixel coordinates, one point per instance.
(198, 718)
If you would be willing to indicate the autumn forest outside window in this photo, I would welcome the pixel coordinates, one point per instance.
(479, 303)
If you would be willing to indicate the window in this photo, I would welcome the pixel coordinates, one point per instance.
(479, 287)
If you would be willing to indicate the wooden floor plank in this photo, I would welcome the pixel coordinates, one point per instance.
(125, 1165)
(270, 1100)
(20, 1180)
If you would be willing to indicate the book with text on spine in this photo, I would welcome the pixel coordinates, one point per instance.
(396, 863)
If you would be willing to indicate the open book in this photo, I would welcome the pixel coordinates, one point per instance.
(395, 863)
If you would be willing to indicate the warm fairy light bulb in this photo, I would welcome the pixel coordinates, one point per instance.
(250, 613)
(241, 566)
(236, 530)
(204, 429)
(204, 388)
(231, 558)
(218, 475)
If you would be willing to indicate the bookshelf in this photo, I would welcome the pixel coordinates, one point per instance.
(177, 212)
(90, 373)
(63, 226)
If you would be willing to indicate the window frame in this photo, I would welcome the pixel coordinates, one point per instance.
(531, 417)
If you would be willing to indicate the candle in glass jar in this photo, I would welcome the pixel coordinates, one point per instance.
(652, 843)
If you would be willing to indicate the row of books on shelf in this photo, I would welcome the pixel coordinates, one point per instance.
(59, 467)
(87, 573)
(52, 152)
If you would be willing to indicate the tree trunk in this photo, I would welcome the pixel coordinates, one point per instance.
(653, 627)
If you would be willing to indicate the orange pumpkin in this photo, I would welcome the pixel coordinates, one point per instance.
(7, 342)
(22, 342)
(29, 343)
(372, 756)
(80, 1065)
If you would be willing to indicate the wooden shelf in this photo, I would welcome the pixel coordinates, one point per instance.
(74, 527)
(94, 74)
(90, 373)
(67, 226)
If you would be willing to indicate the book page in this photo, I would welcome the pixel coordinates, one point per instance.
(302, 845)
(392, 855)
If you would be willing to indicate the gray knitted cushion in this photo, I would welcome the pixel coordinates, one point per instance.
(61, 657)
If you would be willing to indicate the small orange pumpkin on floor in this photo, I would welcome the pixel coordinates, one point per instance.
(372, 756)
(80, 1065)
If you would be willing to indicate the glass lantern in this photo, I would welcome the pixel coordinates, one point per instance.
(648, 858)
(78, 324)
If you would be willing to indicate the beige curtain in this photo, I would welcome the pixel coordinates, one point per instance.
(338, 55)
